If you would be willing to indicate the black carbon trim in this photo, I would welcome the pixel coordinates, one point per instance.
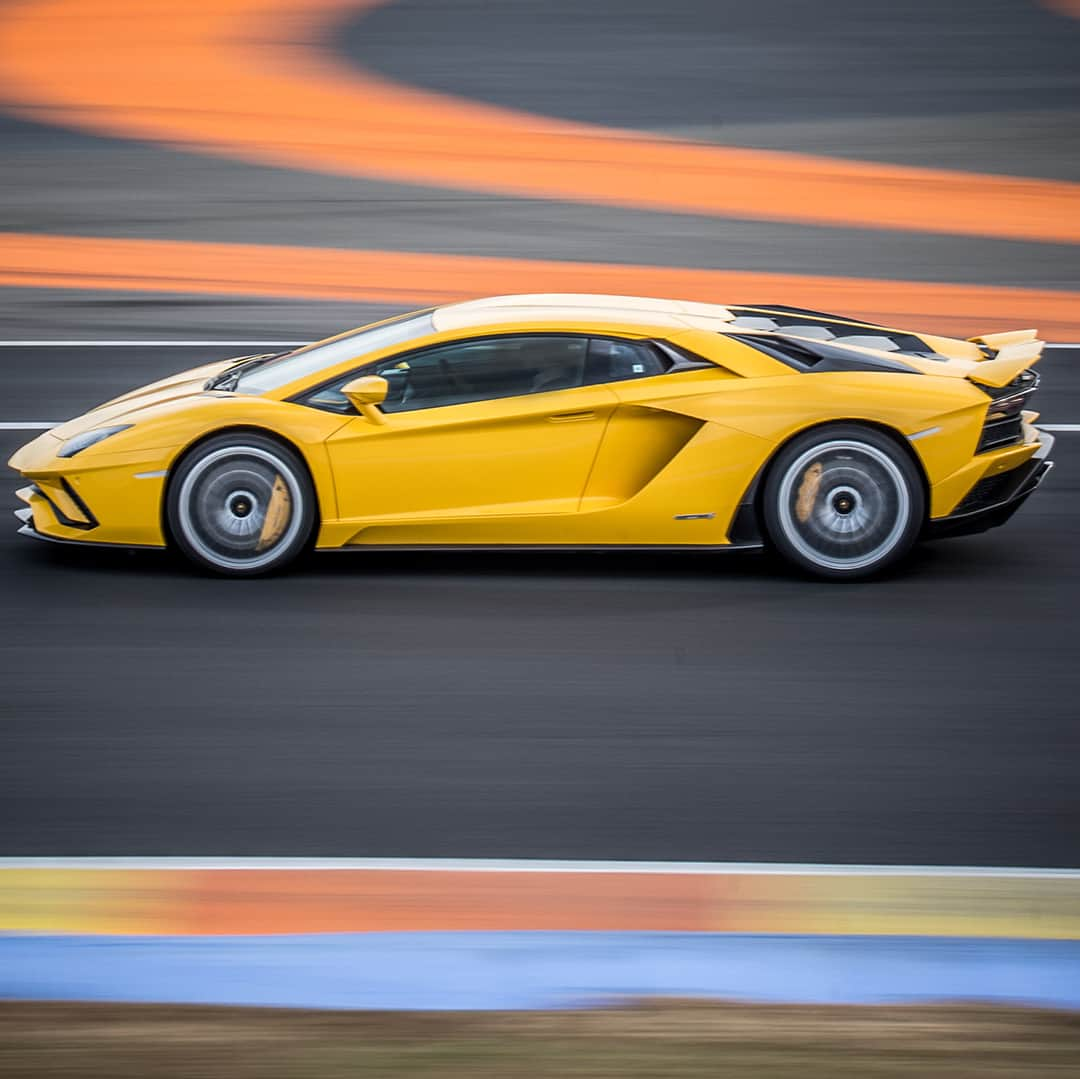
(541, 548)
(785, 309)
(906, 342)
(991, 502)
(744, 530)
(815, 356)
(91, 521)
(84, 509)
(1009, 401)
(1005, 432)
(1025, 384)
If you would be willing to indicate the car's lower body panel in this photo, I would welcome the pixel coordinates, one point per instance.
(541, 547)
(995, 498)
(48, 516)
(121, 507)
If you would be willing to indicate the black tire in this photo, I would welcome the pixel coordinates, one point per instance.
(240, 505)
(843, 502)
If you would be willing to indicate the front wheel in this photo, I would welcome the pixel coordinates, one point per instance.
(843, 502)
(241, 505)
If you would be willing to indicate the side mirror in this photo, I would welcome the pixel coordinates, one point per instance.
(366, 393)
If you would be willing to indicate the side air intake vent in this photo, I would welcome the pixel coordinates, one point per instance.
(818, 355)
(817, 324)
(793, 353)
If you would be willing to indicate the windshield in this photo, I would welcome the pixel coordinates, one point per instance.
(311, 359)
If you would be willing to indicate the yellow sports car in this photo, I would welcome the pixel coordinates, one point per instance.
(560, 421)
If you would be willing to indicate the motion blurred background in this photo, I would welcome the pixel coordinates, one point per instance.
(255, 171)
(187, 180)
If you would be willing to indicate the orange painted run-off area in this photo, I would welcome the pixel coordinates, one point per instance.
(247, 78)
(413, 279)
(223, 902)
(1071, 8)
(277, 902)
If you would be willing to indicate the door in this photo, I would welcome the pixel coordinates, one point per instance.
(495, 427)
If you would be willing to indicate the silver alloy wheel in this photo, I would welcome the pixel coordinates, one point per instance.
(240, 506)
(844, 505)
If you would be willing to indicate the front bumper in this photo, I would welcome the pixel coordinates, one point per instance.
(48, 518)
(994, 499)
(26, 516)
(100, 496)
(113, 507)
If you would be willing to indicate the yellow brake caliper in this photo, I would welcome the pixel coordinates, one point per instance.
(808, 490)
(277, 515)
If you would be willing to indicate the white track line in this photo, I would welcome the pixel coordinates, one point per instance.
(518, 865)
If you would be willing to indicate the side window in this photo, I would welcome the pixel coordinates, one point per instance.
(479, 370)
(616, 361)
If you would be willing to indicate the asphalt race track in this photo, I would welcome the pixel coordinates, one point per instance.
(615, 706)
(572, 705)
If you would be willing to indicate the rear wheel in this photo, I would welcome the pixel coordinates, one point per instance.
(241, 505)
(843, 502)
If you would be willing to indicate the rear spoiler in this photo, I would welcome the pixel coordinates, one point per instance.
(1014, 352)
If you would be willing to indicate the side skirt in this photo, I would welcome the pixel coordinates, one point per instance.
(601, 547)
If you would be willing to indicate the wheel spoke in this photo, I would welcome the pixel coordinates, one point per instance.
(238, 507)
(844, 504)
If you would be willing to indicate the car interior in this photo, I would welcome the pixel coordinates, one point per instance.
(500, 367)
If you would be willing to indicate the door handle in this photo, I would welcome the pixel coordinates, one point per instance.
(569, 417)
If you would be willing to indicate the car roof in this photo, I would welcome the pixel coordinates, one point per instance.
(649, 315)
(628, 311)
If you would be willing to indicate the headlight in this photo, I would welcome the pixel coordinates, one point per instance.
(90, 438)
